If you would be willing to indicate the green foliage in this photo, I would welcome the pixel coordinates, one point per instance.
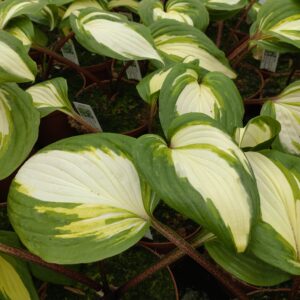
(92, 197)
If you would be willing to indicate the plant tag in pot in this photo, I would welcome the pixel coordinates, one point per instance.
(149, 235)
(269, 60)
(69, 52)
(134, 71)
(88, 114)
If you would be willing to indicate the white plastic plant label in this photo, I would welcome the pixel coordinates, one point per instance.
(69, 52)
(149, 235)
(88, 114)
(269, 60)
(134, 71)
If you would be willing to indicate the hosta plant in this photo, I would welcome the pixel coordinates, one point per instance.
(87, 198)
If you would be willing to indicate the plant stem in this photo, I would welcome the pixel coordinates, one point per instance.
(61, 42)
(164, 262)
(27, 256)
(193, 253)
(84, 123)
(244, 15)
(220, 26)
(69, 63)
(259, 101)
(243, 47)
(152, 113)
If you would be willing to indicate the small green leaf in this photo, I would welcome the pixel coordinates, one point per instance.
(258, 134)
(190, 12)
(150, 86)
(47, 16)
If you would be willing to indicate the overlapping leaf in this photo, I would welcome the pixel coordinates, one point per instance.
(82, 4)
(81, 200)
(15, 279)
(150, 86)
(15, 63)
(187, 89)
(22, 28)
(180, 42)
(51, 95)
(129, 4)
(13, 8)
(112, 35)
(278, 22)
(47, 16)
(191, 12)
(19, 122)
(246, 266)
(260, 132)
(286, 110)
(204, 175)
(222, 9)
(276, 238)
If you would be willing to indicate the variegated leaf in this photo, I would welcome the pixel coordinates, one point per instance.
(13, 8)
(202, 174)
(150, 86)
(223, 9)
(187, 89)
(112, 35)
(191, 12)
(47, 16)
(180, 42)
(15, 279)
(40, 37)
(86, 197)
(59, 2)
(286, 110)
(129, 4)
(276, 238)
(19, 124)
(82, 4)
(15, 64)
(22, 28)
(260, 132)
(252, 14)
(278, 22)
(51, 95)
(246, 266)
